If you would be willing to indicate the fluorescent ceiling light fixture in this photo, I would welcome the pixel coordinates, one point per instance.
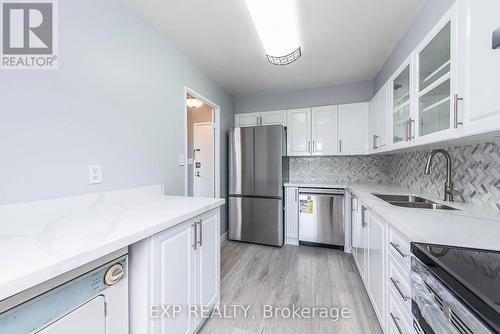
(193, 102)
(276, 22)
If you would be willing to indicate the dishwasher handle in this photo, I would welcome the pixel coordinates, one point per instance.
(321, 191)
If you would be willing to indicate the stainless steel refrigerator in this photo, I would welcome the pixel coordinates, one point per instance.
(257, 169)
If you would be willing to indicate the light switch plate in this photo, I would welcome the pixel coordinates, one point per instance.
(95, 174)
(181, 160)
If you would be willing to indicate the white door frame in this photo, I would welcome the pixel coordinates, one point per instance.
(194, 153)
(216, 123)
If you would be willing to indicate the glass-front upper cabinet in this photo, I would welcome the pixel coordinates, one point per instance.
(435, 83)
(401, 117)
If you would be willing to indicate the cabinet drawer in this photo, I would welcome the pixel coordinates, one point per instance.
(398, 318)
(399, 282)
(399, 247)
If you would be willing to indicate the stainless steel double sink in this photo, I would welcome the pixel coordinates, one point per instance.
(409, 201)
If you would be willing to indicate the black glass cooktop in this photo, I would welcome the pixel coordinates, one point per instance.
(473, 274)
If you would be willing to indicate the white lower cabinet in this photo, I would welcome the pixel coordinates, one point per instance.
(382, 257)
(292, 215)
(177, 267)
(376, 264)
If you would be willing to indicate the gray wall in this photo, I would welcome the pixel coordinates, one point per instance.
(117, 100)
(428, 16)
(319, 96)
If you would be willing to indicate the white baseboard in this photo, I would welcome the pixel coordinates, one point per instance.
(224, 236)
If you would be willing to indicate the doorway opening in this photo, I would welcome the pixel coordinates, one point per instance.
(202, 168)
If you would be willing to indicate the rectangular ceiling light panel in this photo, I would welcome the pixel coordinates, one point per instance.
(276, 22)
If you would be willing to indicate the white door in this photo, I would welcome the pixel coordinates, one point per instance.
(173, 276)
(207, 261)
(435, 82)
(353, 128)
(203, 162)
(246, 119)
(376, 263)
(479, 65)
(299, 132)
(88, 318)
(273, 117)
(381, 113)
(324, 130)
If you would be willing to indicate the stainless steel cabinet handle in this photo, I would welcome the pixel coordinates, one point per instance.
(309, 147)
(296, 194)
(340, 145)
(313, 147)
(375, 138)
(201, 232)
(396, 319)
(400, 291)
(409, 130)
(398, 249)
(455, 110)
(363, 217)
(195, 228)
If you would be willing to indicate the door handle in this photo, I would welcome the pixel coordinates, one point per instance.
(400, 291)
(396, 319)
(375, 137)
(363, 217)
(409, 130)
(200, 242)
(398, 249)
(455, 110)
(194, 226)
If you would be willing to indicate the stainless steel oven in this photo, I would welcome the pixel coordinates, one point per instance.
(436, 306)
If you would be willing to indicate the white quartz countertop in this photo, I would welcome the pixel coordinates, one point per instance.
(41, 240)
(472, 226)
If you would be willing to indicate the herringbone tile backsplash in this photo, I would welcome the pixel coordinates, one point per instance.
(476, 171)
(363, 169)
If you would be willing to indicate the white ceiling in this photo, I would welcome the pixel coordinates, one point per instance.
(342, 40)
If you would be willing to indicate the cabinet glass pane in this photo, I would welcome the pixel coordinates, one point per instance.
(401, 105)
(434, 60)
(400, 120)
(434, 109)
(401, 88)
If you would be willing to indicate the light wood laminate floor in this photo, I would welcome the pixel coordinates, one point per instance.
(292, 275)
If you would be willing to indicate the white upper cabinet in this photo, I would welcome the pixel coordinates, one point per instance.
(299, 132)
(247, 119)
(436, 82)
(324, 130)
(260, 118)
(273, 117)
(378, 119)
(353, 128)
(479, 66)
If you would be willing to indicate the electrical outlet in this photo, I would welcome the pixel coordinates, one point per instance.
(95, 174)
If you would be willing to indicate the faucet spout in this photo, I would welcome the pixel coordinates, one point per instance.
(448, 187)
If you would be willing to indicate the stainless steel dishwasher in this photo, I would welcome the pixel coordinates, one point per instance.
(321, 217)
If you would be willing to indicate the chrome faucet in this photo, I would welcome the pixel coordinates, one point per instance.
(449, 191)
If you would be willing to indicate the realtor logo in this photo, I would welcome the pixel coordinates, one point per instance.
(28, 35)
